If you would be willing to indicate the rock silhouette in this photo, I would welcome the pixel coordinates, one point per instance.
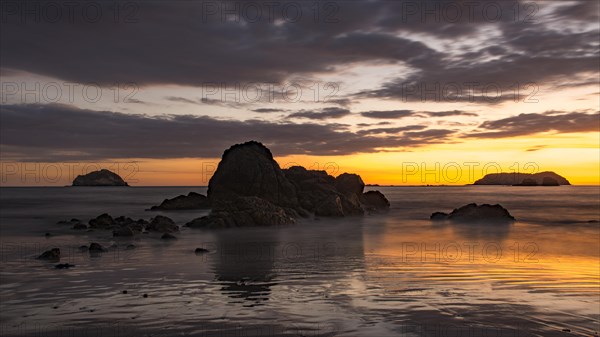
(183, 202)
(50, 255)
(518, 178)
(103, 177)
(473, 213)
(250, 189)
(527, 182)
(548, 181)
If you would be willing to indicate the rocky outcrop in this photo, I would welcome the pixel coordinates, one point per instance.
(374, 201)
(103, 177)
(102, 221)
(168, 236)
(183, 202)
(199, 251)
(124, 231)
(244, 211)
(518, 178)
(162, 224)
(64, 266)
(96, 248)
(124, 226)
(250, 189)
(50, 255)
(324, 195)
(473, 213)
(248, 170)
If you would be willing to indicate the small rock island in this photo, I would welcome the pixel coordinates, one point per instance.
(250, 189)
(547, 178)
(103, 177)
(473, 213)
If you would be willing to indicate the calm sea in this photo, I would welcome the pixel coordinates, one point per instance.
(394, 274)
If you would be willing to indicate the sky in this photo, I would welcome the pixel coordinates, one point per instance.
(400, 92)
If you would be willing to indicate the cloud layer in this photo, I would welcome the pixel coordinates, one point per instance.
(59, 132)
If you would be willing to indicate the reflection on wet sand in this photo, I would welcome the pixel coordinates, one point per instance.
(244, 266)
(497, 232)
(249, 266)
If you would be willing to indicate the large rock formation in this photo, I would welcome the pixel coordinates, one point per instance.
(183, 202)
(250, 189)
(520, 178)
(324, 195)
(248, 170)
(103, 177)
(476, 213)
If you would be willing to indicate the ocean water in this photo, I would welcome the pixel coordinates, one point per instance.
(394, 274)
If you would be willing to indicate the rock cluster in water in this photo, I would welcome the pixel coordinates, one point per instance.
(183, 202)
(473, 213)
(103, 177)
(250, 189)
(124, 226)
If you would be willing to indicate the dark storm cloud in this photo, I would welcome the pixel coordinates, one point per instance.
(447, 113)
(533, 123)
(387, 114)
(393, 114)
(534, 53)
(391, 130)
(267, 110)
(344, 102)
(177, 42)
(581, 10)
(185, 43)
(181, 100)
(325, 113)
(362, 125)
(59, 132)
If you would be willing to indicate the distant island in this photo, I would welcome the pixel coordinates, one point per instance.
(547, 178)
(103, 177)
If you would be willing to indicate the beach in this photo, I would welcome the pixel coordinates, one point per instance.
(391, 274)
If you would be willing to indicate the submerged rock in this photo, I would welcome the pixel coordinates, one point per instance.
(96, 248)
(102, 221)
(64, 266)
(50, 255)
(162, 224)
(168, 236)
(123, 232)
(183, 202)
(103, 177)
(475, 213)
(79, 226)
